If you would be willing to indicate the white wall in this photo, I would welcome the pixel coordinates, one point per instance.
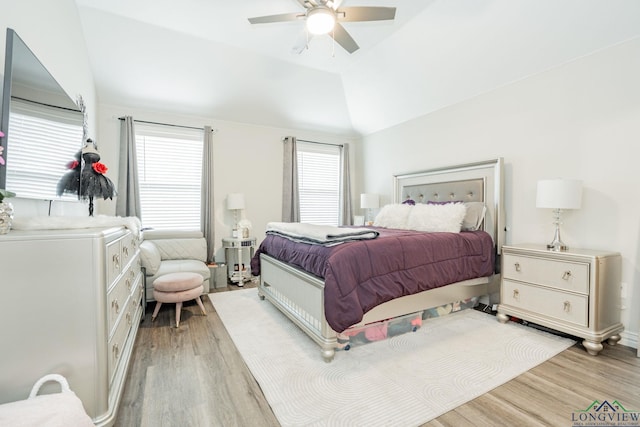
(248, 159)
(52, 30)
(579, 120)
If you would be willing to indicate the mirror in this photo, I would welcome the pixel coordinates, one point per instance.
(44, 128)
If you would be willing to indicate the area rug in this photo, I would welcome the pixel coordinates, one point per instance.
(406, 380)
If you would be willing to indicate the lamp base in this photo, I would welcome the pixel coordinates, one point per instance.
(557, 244)
(558, 247)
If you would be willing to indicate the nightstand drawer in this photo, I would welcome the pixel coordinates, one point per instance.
(563, 306)
(570, 276)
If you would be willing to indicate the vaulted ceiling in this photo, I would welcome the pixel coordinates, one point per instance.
(202, 57)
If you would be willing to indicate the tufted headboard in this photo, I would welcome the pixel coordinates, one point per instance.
(473, 182)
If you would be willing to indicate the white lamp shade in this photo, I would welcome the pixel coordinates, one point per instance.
(369, 201)
(559, 194)
(235, 201)
(320, 20)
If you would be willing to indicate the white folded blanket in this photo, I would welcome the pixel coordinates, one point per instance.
(325, 235)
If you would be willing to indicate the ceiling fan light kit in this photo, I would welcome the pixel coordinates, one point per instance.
(320, 20)
(324, 16)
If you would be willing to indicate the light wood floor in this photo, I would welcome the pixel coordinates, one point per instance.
(194, 376)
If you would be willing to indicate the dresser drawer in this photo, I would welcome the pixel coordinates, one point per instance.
(560, 305)
(136, 297)
(129, 276)
(117, 301)
(138, 289)
(118, 340)
(127, 248)
(113, 262)
(566, 275)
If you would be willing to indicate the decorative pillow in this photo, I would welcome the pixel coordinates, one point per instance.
(437, 217)
(474, 216)
(393, 216)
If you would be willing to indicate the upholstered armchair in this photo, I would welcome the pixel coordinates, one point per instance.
(172, 251)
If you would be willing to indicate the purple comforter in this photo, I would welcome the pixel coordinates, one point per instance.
(361, 275)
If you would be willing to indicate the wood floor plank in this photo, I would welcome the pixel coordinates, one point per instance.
(194, 376)
(476, 413)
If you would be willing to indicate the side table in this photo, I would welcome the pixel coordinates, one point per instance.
(238, 253)
(575, 291)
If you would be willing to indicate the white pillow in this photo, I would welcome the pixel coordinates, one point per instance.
(393, 216)
(474, 216)
(437, 218)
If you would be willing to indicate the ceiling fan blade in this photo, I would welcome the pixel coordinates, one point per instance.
(343, 38)
(366, 13)
(283, 17)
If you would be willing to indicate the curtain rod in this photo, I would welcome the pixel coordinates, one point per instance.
(316, 142)
(169, 124)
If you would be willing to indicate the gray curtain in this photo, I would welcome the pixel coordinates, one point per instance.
(207, 220)
(128, 199)
(346, 210)
(290, 195)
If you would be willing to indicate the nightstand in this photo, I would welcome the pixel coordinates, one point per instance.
(575, 291)
(238, 261)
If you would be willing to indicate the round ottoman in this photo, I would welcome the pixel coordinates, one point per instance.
(177, 287)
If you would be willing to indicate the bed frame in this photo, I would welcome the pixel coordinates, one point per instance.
(300, 296)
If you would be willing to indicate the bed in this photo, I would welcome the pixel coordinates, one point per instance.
(308, 297)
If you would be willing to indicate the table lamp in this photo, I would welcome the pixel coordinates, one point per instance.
(235, 203)
(558, 194)
(369, 201)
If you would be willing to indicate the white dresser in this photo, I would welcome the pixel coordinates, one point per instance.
(575, 291)
(71, 305)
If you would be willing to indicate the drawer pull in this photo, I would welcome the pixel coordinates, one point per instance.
(116, 351)
(567, 307)
(566, 275)
(116, 262)
(128, 283)
(115, 306)
(517, 266)
(129, 319)
(516, 295)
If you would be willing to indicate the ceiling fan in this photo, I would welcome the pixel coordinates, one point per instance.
(325, 16)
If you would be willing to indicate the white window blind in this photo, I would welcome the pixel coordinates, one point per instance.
(170, 173)
(41, 135)
(319, 183)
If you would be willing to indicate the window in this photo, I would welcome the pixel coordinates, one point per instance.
(319, 183)
(170, 173)
(41, 135)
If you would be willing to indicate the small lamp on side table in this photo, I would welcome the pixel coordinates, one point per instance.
(369, 201)
(235, 202)
(559, 194)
